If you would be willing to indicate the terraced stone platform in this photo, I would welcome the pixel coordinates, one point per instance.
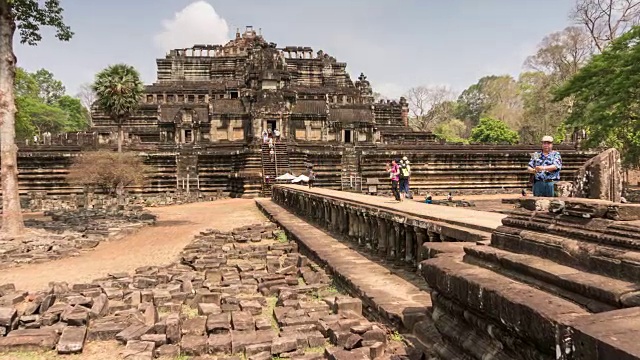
(559, 283)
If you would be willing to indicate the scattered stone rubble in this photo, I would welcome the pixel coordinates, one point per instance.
(70, 232)
(246, 293)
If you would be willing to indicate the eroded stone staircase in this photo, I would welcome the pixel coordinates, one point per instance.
(272, 167)
(350, 178)
(549, 285)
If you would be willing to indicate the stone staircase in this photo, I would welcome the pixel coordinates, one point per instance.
(273, 169)
(350, 178)
(187, 172)
(537, 289)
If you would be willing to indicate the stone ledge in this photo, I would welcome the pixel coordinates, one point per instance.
(534, 314)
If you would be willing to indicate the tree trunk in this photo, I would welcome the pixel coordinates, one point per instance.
(120, 136)
(12, 223)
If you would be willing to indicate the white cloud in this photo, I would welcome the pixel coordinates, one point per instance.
(197, 23)
(389, 90)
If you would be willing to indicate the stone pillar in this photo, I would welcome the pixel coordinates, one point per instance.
(393, 239)
(409, 247)
(230, 130)
(433, 236)
(326, 207)
(344, 229)
(382, 237)
(420, 238)
(351, 222)
(335, 226)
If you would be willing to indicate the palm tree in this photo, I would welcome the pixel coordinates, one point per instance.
(118, 90)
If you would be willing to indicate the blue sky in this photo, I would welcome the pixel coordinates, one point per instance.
(397, 44)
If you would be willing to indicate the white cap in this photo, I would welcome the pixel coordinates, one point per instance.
(547, 139)
(405, 158)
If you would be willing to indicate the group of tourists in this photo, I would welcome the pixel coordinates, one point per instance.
(400, 173)
(271, 137)
(544, 167)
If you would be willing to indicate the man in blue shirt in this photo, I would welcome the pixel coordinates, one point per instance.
(546, 165)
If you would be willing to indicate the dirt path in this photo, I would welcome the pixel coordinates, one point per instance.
(155, 245)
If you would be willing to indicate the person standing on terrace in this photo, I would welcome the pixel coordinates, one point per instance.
(546, 166)
(394, 174)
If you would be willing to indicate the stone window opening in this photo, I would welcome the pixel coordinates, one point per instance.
(191, 98)
(149, 98)
(348, 138)
(233, 94)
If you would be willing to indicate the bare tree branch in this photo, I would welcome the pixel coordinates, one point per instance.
(422, 99)
(605, 20)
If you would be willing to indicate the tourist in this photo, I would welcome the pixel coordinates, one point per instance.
(276, 134)
(546, 166)
(265, 136)
(394, 174)
(428, 199)
(312, 177)
(405, 173)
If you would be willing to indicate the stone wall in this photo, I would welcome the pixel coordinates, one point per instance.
(235, 170)
(554, 283)
(600, 177)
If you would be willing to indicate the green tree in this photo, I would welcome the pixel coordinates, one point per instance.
(77, 116)
(606, 95)
(41, 117)
(452, 131)
(118, 90)
(27, 16)
(493, 131)
(50, 89)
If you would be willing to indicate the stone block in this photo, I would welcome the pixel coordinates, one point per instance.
(72, 340)
(353, 341)
(284, 344)
(375, 334)
(241, 339)
(219, 323)
(173, 328)
(219, 343)
(168, 351)
(7, 316)
(208, 309)
(105, 331)
(265, 355)
(263, 324)
(344, 304)
(29, 340)
(376, 350)
(193, 345)
(194, 326)
(257, 348)
(242, 321)
(251, 306)
(139, 350)
(133, 332)
(158, 339)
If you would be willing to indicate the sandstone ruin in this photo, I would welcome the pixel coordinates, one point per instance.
(199, 127)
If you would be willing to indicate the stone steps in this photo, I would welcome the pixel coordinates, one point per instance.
(505, 306)
(610, 261)
(596, 292)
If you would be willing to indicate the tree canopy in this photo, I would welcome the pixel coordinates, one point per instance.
(42, 106)
(606, 95)
(493, 131)
(118, 90)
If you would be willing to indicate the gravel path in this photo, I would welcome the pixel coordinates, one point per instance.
(154, 245)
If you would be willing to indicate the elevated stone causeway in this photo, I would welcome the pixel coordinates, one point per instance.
(395, 231)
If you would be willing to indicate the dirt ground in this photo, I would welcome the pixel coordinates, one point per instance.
(154, 245)
(100, 350)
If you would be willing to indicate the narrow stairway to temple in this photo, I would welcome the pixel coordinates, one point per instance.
(273, 165)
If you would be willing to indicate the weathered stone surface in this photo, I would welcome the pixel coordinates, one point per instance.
(219, 343)
(72, 340)
(133, 332)
(219, 323)
(139, 350)
(194, 345)
(105, 331)
(7, 316)
(283, 344)
(29, 340)
(600, 177)
(242, 321)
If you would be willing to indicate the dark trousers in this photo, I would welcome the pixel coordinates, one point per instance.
(543, 188)
(394, 188)
(404, 187)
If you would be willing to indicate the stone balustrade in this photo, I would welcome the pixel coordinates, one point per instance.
(392, 234)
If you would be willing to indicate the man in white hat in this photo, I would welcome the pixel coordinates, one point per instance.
(405, 174)
(545, 165)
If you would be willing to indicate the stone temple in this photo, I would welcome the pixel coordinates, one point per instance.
(199, 127)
